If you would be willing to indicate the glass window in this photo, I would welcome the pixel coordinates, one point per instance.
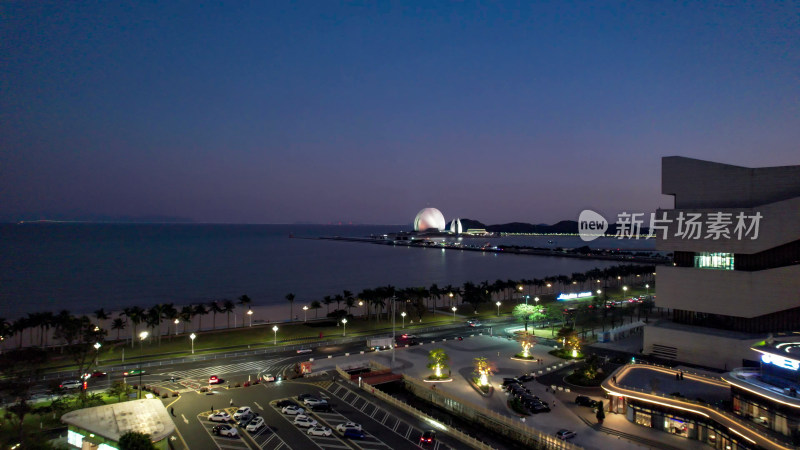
(706, 260)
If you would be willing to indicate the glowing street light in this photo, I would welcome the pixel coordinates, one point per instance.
(305, 311)
(142, 336)
(275, 329)
(344, 323)
(192, 337)
(647, 286)
(97, 346)
(250, 315)
(177, 321)
(599, 292)
(624, 291)
(454, 313)
(498, 308)
(403, 315)
(536, 299)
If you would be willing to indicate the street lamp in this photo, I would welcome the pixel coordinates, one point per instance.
(305, 313)
(599, 292)
(454, 313)
(275, 329)
(177, 321)
(647, 286)
(403, 315)
(624, 291)
(536, 299)
(250, 315)
(192, 337)
(142, 336)
(498, 308)
(97, 346)
(344, 323)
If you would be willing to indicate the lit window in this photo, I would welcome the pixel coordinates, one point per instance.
(707, 260)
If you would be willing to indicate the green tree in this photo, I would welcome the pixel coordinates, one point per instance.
(133, 440)
(118, 324)
(524, 313)
(438, 361)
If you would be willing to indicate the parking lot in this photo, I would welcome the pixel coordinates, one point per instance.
(384, 428)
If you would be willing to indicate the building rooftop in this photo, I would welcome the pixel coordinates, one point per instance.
(147, 416)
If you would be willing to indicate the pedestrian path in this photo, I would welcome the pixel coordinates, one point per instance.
(251, 366)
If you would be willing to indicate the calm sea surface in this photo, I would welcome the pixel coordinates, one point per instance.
(82, 267)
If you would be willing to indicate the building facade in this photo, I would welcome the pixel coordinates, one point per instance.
(735, 236)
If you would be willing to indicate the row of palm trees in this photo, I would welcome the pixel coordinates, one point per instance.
(377, 301)
(41, 326)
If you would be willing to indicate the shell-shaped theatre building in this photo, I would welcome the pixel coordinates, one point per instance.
(429, 219)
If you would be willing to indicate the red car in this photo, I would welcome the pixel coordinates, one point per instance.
(214, 380)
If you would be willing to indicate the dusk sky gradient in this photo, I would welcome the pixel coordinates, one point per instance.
(366, 112)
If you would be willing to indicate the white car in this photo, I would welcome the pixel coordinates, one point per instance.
(243, 411)
(342, 427)
(292, 410)
(565, 434)
(221, 416)
(319, 431)
(225, 430)
(303, 420)
(256, 424)
(71, 384)
(268, 377)
(312, 401)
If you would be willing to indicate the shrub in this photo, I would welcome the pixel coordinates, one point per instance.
(246, 384)
(204, 389)
(174, 394)
(165, 395)
(237, 385)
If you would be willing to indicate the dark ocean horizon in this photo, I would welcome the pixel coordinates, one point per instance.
(85, 266)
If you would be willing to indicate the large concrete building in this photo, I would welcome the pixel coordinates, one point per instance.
(735, 235)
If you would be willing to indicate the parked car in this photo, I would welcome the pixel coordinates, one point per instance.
(71, 384)
(586, 401)
(342, 427)
(221, 416)
(510, 381)
(322, 407)
(304, 396)
(255, 424)
(565, 434)
(352, 433)
(241, 412)
(527, 377)
(302, 420)
(245, 419)
(311, 401)
(292, 410)
(213, 379)
(539, 407)
(224, 430)
(286, 402)
(319, 431)
(428, 437)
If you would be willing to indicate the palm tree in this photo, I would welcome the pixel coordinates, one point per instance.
(436, 294)
(347, 296)
(290, 298)
(214, 308)
(170, 313)
(135, 314)
(245, 301)
(46, 323)
(327, 300)
(228, 307)
(315, 305)
(100, 314)
(351, 303)
(338, 299)
(118, 324)
(186, 314)
(156, 315)
(200, 311)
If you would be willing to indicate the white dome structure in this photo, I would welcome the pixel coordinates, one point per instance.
(455, 226)
(429, 219)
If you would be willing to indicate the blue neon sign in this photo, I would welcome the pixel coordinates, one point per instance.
(780, 361)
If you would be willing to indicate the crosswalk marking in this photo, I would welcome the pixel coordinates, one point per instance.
(251, 366)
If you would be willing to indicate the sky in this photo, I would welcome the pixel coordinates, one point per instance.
(367, 112)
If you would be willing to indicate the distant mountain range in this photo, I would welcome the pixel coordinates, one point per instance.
(563, 227)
